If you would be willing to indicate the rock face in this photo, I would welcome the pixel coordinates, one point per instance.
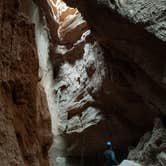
(25, 132)
(104, 79)
(128, 44)
(152, 146)
(80, 77)
(132, 36)
(129, 163)
(96, 99)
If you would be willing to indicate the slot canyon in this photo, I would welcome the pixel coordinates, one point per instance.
(75, 74)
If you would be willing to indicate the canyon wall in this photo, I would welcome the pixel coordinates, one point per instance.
(101, 99)
(80, 77)
(96, 98)
(132, 36)
(101, 79)
(25, 132)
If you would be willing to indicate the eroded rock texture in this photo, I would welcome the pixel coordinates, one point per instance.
(25, 132)
(80, 77)
(132, 36)
(103, 80)
(152, 146)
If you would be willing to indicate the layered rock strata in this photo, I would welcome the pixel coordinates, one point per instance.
(80, 78)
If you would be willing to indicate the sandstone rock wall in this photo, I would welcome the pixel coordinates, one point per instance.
(91, 99)
(25, 132)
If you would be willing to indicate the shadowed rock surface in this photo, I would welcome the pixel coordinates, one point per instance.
(132, 36)
(152, 147)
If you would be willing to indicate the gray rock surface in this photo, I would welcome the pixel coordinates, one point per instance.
(151, 148)
(132, 35)
(150, 13)
(129, 163)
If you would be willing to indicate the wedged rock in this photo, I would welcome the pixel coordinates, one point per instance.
(162, 158)
(129, 163)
